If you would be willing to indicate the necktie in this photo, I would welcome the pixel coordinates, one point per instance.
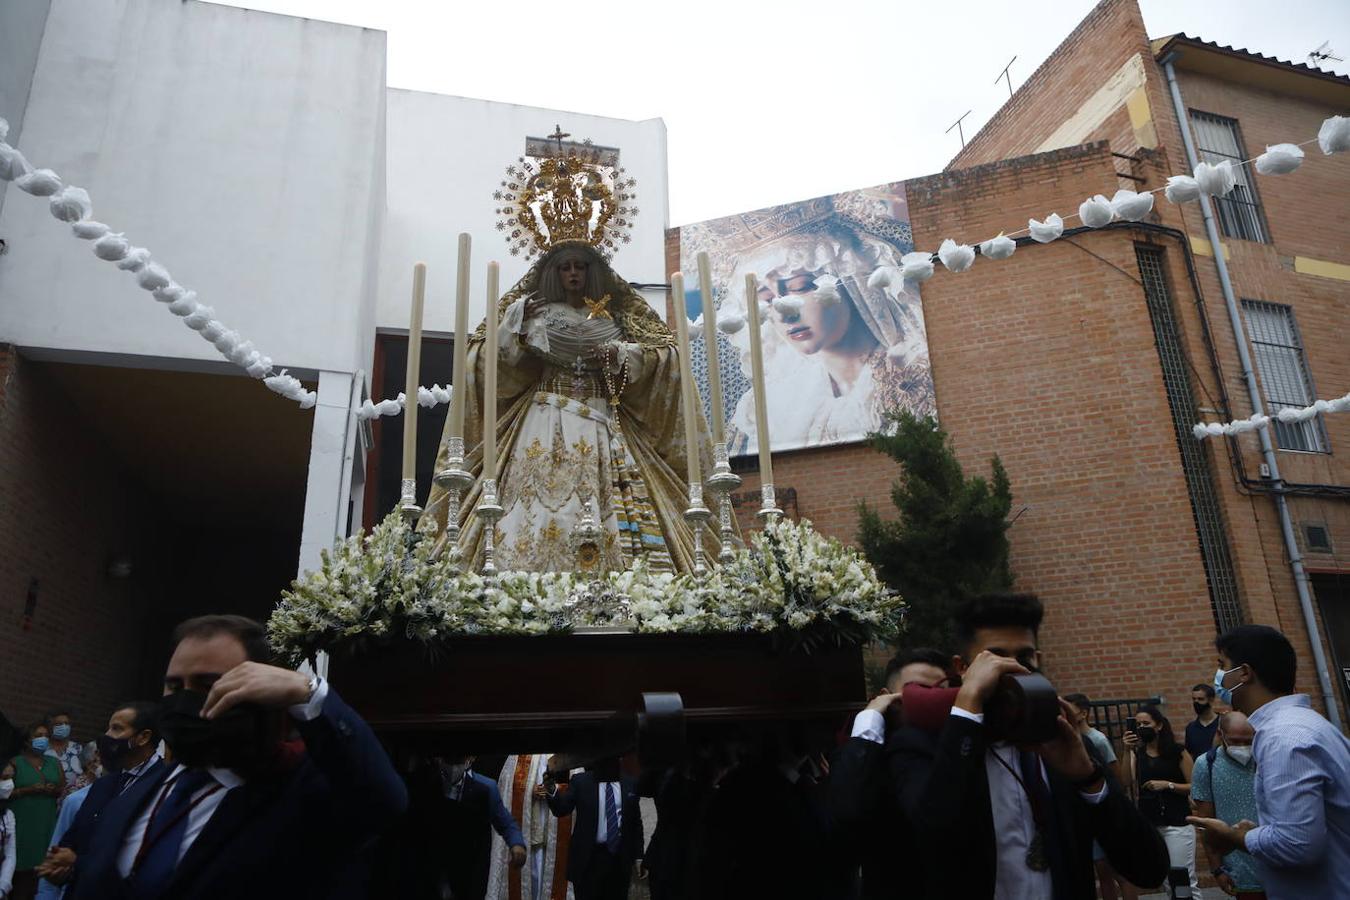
(163, 835)
(1043, 805)
(611, 819)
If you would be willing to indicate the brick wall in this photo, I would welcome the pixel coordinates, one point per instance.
(65, 513)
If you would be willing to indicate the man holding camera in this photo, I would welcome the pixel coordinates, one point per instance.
(996, 819)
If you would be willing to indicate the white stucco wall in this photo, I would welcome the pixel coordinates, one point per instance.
(244, 149)
(21, 27)
(446, 157)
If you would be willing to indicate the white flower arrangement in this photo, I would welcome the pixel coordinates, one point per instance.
(791, 582)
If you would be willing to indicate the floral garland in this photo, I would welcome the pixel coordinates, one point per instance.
(791, 582)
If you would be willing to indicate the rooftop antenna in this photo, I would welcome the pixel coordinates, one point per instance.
(1321, 55)
(959, 130)
(1004, 75)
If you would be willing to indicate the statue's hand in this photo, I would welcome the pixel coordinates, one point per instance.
(534, 306)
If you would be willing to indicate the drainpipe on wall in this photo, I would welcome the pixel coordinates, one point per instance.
(1254, 395)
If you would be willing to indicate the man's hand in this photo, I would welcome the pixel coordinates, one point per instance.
(271, 687)
(1220, 837)
(1066, 752)
(1226, 883)
(540, 792)
(517, 857)
(980, 680)
(58, 865)
(883, 702)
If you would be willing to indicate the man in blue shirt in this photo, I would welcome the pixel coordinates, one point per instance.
(1302, 785)
(1223, 786)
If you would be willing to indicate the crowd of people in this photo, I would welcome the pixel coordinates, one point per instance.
(246, 779)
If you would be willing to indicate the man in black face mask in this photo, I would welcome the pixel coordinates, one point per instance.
(129, 751)
(1200, 732)
(238, 812)
(991, 818)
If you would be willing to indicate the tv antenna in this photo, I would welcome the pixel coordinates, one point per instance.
(1321, 55)
(959, 130)
(1004, 75)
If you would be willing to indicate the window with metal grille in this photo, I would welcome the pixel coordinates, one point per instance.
(1284, 373)
(1217, 138)
(1209, 525)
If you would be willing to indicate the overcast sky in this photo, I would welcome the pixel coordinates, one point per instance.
(770, 102)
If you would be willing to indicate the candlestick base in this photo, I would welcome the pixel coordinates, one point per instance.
(491, 512)
(722, 482)
(697, 515)
(407, 502)
(768, 507)
(454, 479)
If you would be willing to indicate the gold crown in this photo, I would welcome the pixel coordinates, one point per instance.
(570, 194)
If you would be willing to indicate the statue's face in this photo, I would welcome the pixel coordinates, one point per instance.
(572, 273)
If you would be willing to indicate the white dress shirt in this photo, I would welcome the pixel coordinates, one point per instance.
(207, 799)
(1014, 822)
(602, 828)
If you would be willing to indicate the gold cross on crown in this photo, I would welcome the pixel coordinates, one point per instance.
(597, 308)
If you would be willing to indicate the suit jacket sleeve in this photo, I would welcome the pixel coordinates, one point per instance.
(935, 781)
(366, 789)
(563, 802)
(1133, 846)
(853, 790)
(502, 820)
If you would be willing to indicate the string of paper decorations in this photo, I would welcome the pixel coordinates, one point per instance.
(72, 204)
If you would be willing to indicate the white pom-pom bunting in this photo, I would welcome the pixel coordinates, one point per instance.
(71, 204)
(1181, 189)
(112, 247)
(169, 292)
(153, 276)
(1131, 206)
(1096, 211)
(12, 163)
(1047, 231)
(827, 292)
(916, 267)
(212, 330)
(1216, 180)
(260, 366)
(199, 318)
(788, 307)
(730, 322)
(1280, 159)
(40, 183)
(185, 305)
(135, 260)
(1334, 135)
(1000, 247)
(956, 257)
(89, 231)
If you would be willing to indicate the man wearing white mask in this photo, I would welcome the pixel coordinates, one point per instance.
(1223, 786)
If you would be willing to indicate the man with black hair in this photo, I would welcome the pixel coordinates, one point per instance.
(996, 820)
(240, 811)
(859, 793)
(129, 750)
(1302, 787)
(1201, 730)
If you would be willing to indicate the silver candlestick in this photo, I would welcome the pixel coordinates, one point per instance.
(490, 511)
(768, 507)
(454, 479)
(722, 482)
(697, 515)
(407, 501)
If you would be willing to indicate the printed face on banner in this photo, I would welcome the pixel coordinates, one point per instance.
(843, 336)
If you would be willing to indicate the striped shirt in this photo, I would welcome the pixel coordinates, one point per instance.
(1302, 846)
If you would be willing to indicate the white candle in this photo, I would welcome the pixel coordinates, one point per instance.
(490, 375)
(710, 343)
(414, 368)
(757, 380)
(687, 391)
(459, 374)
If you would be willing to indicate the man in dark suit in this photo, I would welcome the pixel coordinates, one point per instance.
(464, 813)
(240, 812)
(129, 750)
(859, 793)
(993, 819)
(607, 839)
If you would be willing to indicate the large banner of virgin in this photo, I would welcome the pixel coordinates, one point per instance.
(844, 341)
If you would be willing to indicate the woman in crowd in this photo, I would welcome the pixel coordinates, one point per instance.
(64, 750)
(1161, 769)
(7, 830)
(38, 783)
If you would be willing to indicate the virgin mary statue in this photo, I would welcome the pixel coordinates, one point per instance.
(589, 429)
